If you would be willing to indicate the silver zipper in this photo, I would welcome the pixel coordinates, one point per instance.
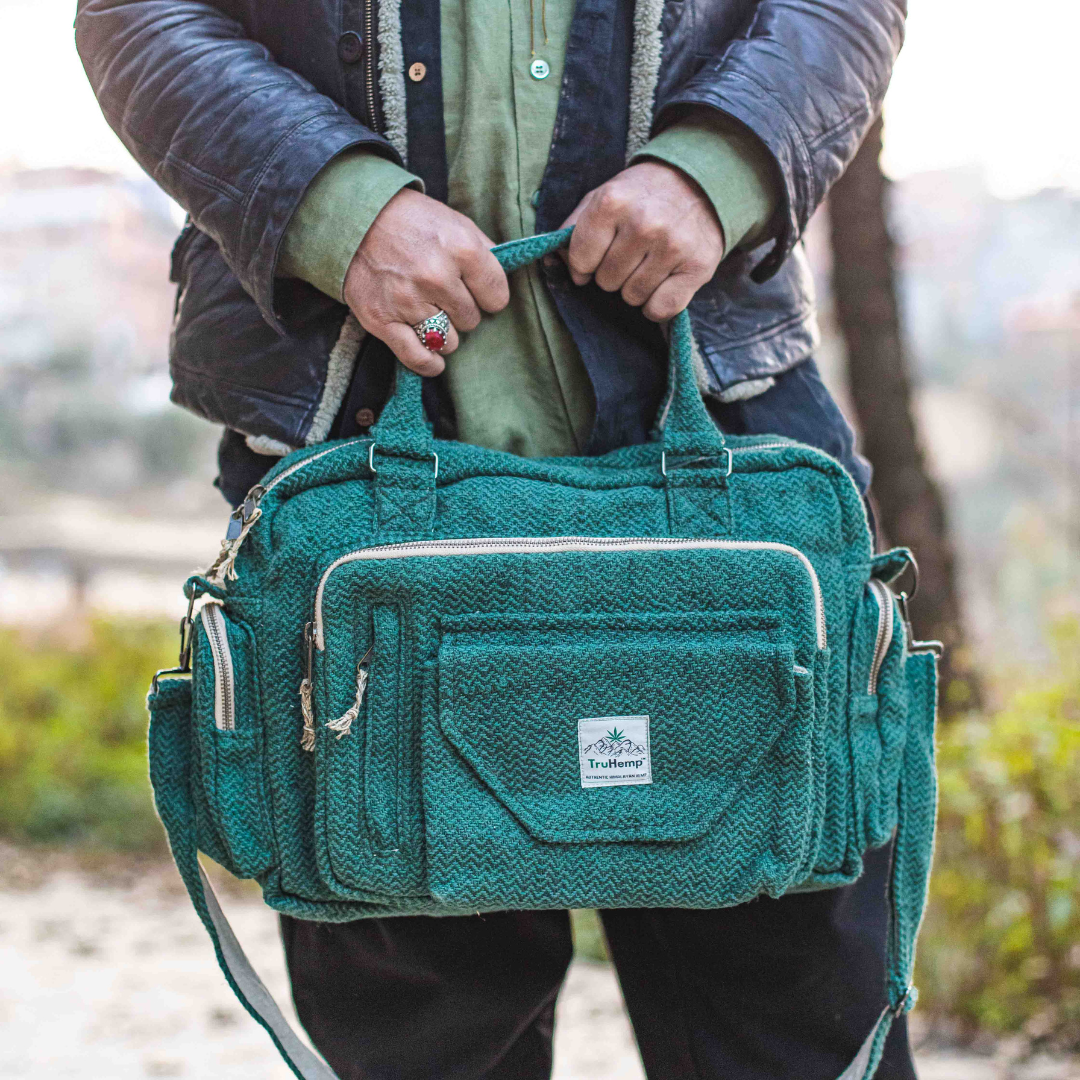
(243, 518)
(558, 544)
(305, 463)
(224, 684)
(245, 515)
(770, 446)
(884, 630)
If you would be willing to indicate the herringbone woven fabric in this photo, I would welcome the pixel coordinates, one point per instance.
(437, 679)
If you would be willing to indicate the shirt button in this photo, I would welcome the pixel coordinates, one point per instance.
(417, 71)
(350, 47)
(539, 69)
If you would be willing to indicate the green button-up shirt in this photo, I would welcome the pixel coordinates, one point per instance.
(517, 381)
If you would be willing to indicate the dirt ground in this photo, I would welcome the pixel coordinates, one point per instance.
(106, 974)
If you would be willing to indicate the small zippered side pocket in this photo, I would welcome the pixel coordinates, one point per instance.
(217, 637)
(877, 711)
(230, 794)
(884, 635)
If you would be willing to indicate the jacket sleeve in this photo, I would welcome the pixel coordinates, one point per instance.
(807, 77)
(731, 167)
(334, 216)
(232, 136)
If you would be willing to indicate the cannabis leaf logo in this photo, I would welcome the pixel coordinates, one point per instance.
(615, 734)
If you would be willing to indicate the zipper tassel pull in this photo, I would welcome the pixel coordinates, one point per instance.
(343, 724)
(240, 524)
(307, 738)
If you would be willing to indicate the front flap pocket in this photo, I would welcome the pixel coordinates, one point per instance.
(638, 735)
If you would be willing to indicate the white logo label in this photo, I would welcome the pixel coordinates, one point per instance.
(614, 750)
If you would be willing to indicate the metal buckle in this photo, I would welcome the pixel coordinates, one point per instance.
(905, 598)
(694, 461)
(371, 460)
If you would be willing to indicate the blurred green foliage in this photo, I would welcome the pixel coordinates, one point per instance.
(73, 734)
(1000, 949)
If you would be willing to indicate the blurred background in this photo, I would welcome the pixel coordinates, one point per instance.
(948, 272)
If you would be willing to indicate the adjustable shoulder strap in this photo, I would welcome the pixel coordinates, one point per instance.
(912, 856)
(252, 992)
(170, 774)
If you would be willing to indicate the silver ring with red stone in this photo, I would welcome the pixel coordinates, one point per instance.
(432, 331)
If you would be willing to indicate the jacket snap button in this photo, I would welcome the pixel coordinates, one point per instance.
(350, 47)
(364, 418)
(417, 71)
(539, 69)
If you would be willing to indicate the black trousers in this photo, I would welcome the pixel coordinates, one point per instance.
(770, 990)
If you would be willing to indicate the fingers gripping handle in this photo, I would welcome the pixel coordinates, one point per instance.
(683, 424)
(518, 253)
(402, 428)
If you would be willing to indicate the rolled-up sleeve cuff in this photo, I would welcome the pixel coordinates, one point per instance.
(731, 166)
(335, 214)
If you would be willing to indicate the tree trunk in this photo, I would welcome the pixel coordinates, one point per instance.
(911, 510)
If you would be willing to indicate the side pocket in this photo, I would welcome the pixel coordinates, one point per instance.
(877, 712)
(229, 766)
(169, 705)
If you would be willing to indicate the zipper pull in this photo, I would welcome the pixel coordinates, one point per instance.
(240, 522)
(307, 737)
(343, 724)
(236, 525)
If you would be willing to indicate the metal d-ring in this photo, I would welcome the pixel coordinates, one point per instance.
(911, 563)
(703, 457)
(371, 460)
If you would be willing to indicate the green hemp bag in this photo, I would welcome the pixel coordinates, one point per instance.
(428, 678)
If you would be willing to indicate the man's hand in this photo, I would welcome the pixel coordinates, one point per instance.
(417, 257)
(650, 233)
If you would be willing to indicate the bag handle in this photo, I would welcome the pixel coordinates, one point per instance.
(684, 426)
